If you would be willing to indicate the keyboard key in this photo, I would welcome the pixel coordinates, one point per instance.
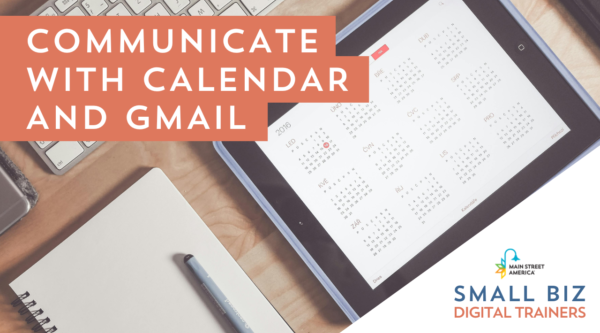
(64, 153)
(94, 7)
(158, 10)
(177, 5)
(220, 4)
(49, 12)
(234, 10)
(201, 9)
(257, 6)
(139, 5)
(91, 143)
(43, 144)
(63, 5)
(118, 10)
(76, 12)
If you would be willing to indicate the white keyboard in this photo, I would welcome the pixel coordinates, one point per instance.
(61, 156)
(156, 7)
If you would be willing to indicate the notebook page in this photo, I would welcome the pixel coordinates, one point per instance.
(123, 271)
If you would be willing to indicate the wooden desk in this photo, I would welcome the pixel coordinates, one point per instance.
(67, 202)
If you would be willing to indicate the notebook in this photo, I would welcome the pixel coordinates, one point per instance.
(123, 271)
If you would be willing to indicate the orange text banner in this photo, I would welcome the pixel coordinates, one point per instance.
(165, 78)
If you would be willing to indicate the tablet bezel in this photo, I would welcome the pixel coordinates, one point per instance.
(585, 131)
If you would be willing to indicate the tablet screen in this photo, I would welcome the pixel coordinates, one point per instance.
(451, 118)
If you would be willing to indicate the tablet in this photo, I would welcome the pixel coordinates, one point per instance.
(469, 113)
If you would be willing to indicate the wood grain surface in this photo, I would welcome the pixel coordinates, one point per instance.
(68, 201)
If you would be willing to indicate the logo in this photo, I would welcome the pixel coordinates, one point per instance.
(502, 265)
(506, 267)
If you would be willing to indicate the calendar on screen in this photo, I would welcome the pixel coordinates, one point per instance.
(512, 125)
(446, 45)
(355, 116)
(314, 150)
(436, 120)
(451, 119)
(424, 196)
(466, 158)
(389, 155)
(379, 232)
(345, 191)
(478, 84)
(400, 80)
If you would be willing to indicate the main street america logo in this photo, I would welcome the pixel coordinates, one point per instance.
(506, 267)
(502, 265)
